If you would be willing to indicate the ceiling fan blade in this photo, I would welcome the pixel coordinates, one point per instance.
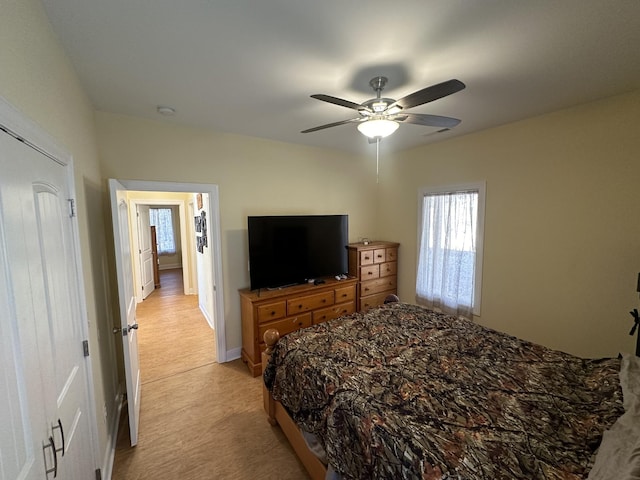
(429, 94)
(329, 125)
(425, 119)
(337, 101)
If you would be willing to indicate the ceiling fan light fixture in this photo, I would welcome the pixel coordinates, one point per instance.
(379, 127)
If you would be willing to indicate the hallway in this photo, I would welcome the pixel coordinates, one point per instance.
(198, 419)
(174, 336)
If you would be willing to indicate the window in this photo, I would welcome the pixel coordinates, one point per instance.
(162, 219)
(450, 234)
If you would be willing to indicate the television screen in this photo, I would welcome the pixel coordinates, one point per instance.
(287, 250)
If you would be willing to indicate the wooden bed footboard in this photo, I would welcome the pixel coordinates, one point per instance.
(277, 415)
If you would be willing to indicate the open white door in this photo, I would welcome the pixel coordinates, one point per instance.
(127, 302)
(146, 250)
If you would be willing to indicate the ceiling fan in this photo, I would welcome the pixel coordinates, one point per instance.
(380, 117)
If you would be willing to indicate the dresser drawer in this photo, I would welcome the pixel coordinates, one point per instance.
(366, 257)
(345, 294)
(310, 302)
(391, 255)
(272, 311)
(379, 255)
(379, 285)
(369, 273)
(286, 325)
(336, 311)
(388, 268)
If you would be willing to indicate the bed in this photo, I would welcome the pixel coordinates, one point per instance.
(405, 392)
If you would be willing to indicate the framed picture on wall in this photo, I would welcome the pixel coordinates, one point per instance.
(203, 223)
(199, 201)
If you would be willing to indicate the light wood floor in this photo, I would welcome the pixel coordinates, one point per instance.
(199, 419)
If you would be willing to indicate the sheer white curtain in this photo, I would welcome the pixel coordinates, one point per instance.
(447, 252)
(162, 219)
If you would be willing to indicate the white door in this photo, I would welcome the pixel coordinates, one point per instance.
(127, 302)
(44, 327)
(146, 250)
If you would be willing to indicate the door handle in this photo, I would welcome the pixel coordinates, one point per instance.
(59, 426)
(128, 328)
(53, 470)
(116, 330)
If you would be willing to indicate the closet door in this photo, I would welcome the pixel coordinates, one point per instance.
(23, 424)
(43, 289)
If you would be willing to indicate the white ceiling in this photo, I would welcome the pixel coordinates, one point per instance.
(249, 66)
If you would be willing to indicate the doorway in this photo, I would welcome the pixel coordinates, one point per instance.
(211, 262)
(141, 203)
(211, 269)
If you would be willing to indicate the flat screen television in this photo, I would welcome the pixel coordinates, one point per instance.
(292, 249)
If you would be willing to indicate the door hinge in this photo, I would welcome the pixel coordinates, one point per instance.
(98, 474)
(85, 347)
(72, 207)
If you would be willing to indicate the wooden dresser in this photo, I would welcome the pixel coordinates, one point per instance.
(375, 266)
(289, 309)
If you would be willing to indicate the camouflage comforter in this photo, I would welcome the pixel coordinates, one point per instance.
(404, 392)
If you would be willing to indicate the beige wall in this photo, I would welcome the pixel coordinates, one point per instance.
(254, 176)
(37, 78)
(562, 228)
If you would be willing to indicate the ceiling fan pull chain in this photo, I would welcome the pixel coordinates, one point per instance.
(377, 160)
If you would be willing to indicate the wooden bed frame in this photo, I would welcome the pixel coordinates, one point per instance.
(277, 415)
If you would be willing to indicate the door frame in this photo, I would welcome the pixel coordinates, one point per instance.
(214, 244)
(15, 122)
(135, 202)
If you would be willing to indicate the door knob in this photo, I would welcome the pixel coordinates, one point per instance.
(127, 329)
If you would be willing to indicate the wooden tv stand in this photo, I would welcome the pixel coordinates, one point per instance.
(289, 309)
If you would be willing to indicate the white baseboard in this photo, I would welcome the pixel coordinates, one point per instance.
(170, 266)
(112, 437)
(234, 354)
